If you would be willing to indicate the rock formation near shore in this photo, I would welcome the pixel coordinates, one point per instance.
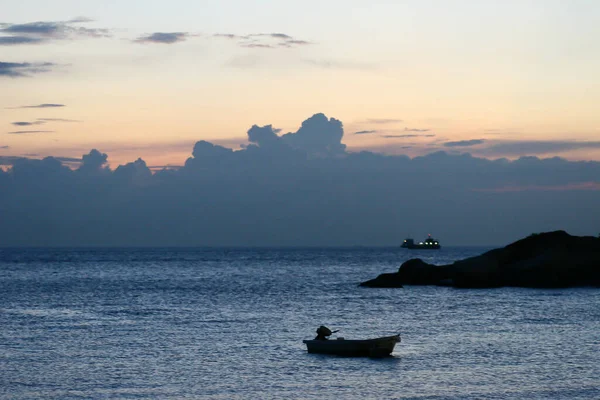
(545, 260)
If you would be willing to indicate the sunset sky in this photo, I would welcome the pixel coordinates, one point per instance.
(150, 78)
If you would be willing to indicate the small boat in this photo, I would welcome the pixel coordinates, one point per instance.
(428, 244)
(379, 347)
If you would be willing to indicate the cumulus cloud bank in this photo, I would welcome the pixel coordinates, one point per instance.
(300, 188)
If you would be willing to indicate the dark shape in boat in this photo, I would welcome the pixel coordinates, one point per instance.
(379, 347)
(428, 244)
(544, 260)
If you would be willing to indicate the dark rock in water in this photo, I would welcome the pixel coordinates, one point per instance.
(545, 260)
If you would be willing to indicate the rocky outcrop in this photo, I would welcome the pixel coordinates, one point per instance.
(545, 260)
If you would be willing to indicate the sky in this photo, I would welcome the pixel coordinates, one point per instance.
(297, 122)
(150, 78)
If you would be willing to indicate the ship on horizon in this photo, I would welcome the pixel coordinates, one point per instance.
(428, 244)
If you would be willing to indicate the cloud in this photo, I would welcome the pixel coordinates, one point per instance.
(4, 147)
(42, 31)
(318, 135)
(265, 136)
(26, 123)
(298, 189)
(273, 35)
(264, 40)
(544, 188)
(69, 159)
(416, 130)
(163, 37)
(488, 148)
(464, 143)
(134, 173)
(409, 135)
(257, 45)
(18, 40)
(164, 167)
(79, 20)
(27, 132)
(93, 163)
(44, 105)
(229, 36)
(9, 160)
(531, 147)
(94, 159)
(57, 120)
(205, 154)
(364, 132)
(294, 42)
(383, 121)
(19, 70)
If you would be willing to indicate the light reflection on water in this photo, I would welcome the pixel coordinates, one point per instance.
(229, 324)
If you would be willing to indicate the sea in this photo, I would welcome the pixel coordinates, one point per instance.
(222, 323)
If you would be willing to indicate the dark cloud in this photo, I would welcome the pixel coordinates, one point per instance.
(26, 123)
(34, 28)
(10, 160)
(164, 167)
(265, 136)
(294, 43)
(273, 35)
(93, 163)
(529, 147)
(47, 30)
(364, 132)
(163, 37)
(18, 40)
(68, 159)
(135, 173)
(297, 189)
(94, 159)
(206, 154)
(544, 188)
(4, 147)
(45, 105)
(318, 135)
(464, 143)
(26, 132)
(19, 70)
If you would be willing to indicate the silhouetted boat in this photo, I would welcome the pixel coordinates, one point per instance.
(428, 244)
(379, 347)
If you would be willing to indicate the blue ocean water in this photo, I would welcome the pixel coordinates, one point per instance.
(229, 324)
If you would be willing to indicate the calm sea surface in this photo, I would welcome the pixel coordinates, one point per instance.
(229, 324)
